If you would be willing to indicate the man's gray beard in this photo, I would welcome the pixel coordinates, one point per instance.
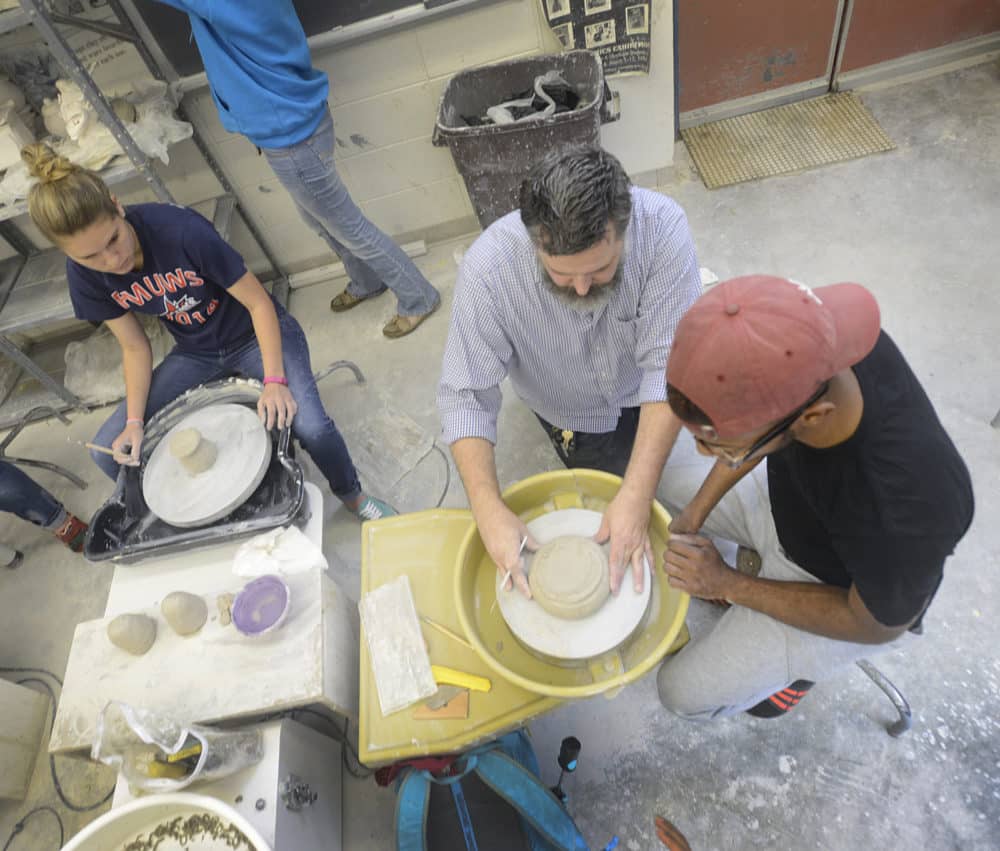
(597, 296)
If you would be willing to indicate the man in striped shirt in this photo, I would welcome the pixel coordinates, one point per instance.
(575, 297)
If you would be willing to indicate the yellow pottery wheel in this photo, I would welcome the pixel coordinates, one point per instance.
(487, 631)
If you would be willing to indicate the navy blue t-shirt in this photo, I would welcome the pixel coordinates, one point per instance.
(186, 269)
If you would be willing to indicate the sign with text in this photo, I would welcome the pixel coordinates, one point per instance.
(617, 30)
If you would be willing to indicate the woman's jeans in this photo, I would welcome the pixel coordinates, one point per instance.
(312, 426)
(23, 496)
(372, 260)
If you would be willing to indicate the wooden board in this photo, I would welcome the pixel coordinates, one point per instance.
(217, 673)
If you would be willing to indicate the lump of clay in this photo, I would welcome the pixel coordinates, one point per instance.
(186, 613)
(569, 577)
(194, 452)
(134, 634)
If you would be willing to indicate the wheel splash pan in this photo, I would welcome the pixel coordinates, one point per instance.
(484, 626)
(113, 536)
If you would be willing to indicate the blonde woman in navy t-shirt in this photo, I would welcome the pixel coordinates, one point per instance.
(169, 262)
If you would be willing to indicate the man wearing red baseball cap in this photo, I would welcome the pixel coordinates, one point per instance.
(830, 462)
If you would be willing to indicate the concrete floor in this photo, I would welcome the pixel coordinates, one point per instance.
(919, 227)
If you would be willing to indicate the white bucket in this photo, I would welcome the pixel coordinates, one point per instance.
(125, 824)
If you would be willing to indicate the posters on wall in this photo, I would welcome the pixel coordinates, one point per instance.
(617, 30)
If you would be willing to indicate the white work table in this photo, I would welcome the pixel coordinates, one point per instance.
(204, 570)
(216, 674)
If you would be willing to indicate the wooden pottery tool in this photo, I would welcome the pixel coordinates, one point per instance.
(506, 574)
(454, 636)
(455, 709)
(102, 449)
(443, 696)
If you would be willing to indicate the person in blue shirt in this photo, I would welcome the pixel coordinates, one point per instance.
(265, 87)
(23, 496)
(168, 261)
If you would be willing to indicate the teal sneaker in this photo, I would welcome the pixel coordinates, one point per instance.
(371, 508)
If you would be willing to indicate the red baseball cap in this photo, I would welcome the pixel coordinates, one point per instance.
(753, 349)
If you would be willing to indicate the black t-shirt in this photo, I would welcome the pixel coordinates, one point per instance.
(187, 268)
(883, 509)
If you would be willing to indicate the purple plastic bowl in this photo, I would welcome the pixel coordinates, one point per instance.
(261, 606)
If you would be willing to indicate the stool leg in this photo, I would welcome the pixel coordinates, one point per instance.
(897, 728)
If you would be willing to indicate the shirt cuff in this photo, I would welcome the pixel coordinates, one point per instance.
(653, 387)
(456, 425)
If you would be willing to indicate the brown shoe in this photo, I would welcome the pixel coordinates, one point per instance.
(345, 300)
(72, 533)
(400, 326)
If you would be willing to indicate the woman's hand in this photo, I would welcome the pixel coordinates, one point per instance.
(127, 445)
(276, 406)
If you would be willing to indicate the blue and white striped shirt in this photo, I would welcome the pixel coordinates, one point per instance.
(577, 370)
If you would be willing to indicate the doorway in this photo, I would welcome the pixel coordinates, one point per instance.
(738, 56)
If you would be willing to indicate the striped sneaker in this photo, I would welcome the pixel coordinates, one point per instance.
(782, 701)
(371, 508)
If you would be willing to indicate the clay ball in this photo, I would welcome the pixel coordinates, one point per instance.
(134, 634)
(186, 613)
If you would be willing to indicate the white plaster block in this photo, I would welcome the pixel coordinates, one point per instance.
(397, 168)
(374, 67)
(479, 36)
(421, 207)
(365, 125)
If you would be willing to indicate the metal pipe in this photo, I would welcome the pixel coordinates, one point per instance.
(897, 728)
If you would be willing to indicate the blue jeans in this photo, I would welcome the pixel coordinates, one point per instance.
(312, 426)
(23, 496)
(372, 260)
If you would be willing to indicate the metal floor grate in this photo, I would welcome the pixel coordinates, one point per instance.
(785, 139)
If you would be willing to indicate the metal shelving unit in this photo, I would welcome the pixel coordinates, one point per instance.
(33, 290)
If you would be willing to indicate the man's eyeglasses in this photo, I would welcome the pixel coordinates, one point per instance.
(735, 459)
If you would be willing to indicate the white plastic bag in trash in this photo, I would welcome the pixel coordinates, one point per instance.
(281, 551)
(132, 739)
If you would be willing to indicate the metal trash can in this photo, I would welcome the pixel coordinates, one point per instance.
(494, 159)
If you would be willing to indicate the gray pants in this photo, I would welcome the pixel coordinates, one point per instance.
(746, 656)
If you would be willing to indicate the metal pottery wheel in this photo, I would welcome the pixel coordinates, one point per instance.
(573, 640)
(243, 452)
